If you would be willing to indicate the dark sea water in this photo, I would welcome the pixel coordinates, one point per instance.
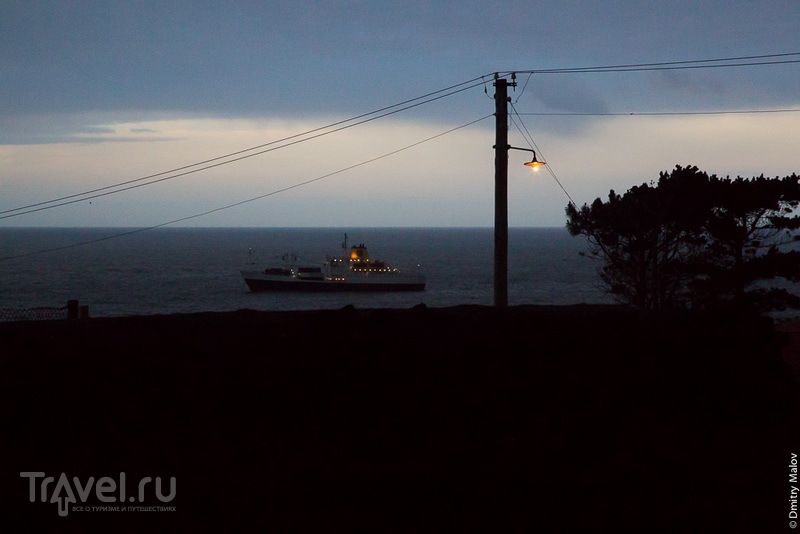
(180, 270)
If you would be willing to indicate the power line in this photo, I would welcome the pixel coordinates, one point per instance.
(742, 61)
(242, 154)
(338, 126)
(389, 110)
(661, 113)
(253, 199)
(644, 69)
(531, 143)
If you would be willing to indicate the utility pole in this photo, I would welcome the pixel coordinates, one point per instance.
(501, 192)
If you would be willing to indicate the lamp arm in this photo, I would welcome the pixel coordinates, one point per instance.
(525, 149)
(534, 163)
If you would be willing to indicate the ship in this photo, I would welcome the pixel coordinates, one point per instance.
(352, 271)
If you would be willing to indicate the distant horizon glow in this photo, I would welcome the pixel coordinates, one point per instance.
(415, 187)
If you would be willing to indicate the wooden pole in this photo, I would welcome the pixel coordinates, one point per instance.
(73, 309)
(501, 194)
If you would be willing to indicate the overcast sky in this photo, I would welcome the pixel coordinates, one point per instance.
(94, 94)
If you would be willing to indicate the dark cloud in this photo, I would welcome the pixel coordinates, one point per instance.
(567, 94)
(299, 59)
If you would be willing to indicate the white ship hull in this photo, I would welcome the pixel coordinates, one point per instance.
(369, 281)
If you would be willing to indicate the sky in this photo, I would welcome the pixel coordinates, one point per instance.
(95, 94)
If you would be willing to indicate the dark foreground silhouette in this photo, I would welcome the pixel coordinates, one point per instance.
(421, 420)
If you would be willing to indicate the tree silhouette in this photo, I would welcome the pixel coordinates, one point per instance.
(749, 222)
(694, 238)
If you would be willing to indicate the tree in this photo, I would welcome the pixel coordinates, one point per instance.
(749, 225)
(693, 238)
(646, 237)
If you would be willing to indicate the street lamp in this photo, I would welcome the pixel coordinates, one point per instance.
(535, 163)
(501, 148)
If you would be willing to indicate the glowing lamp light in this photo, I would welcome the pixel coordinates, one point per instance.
(535, 164)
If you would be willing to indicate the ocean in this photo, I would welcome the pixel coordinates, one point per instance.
(186, 270)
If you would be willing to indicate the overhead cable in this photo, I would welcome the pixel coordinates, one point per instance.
(660, 113)
(742, 61)
(242, 154)
(241, 202)
(529, 139)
